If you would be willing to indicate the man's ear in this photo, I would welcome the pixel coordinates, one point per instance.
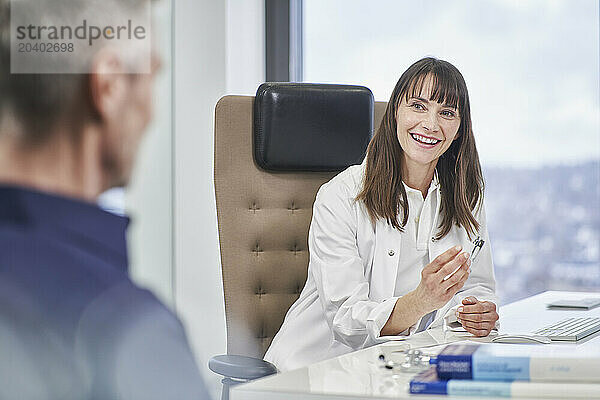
(108, 86)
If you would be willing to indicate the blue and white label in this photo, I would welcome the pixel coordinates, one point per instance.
(489, 367)
(475, 388)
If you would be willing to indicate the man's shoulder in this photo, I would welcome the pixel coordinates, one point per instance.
(128, 331)
(30, 252)
(108, 329)
(124, 308)
(53, 281)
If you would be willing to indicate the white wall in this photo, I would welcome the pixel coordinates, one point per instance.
(218, 49)
(199, 81)
(148, 199)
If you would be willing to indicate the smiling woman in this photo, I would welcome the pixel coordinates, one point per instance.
(429, 103)
(387, 236)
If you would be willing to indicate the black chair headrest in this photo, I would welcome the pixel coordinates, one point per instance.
(311, 127)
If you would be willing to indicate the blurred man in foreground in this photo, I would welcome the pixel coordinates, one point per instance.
(72, 324)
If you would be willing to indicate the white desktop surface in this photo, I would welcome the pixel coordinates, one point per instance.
(359, 375)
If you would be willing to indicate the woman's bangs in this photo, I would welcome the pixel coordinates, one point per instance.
(445, 87)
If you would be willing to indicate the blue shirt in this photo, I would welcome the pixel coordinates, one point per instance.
(72, 324)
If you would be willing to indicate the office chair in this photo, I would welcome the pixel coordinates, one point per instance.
(272, 153)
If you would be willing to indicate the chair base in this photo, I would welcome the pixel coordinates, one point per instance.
(228, 383)
(239, 369)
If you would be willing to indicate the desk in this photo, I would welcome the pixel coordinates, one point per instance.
(359, 375)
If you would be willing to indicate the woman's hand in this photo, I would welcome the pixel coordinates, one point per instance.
(435, 290)
(477, 317)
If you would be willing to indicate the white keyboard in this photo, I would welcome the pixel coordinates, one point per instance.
(570, 329)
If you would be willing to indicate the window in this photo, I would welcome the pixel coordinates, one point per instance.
(532, 72)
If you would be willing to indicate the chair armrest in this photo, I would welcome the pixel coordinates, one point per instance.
(241, 367)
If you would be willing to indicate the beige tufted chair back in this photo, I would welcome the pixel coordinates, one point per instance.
(263, 220)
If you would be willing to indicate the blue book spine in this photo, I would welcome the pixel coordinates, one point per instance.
(472, 361)
(427, 382)
(456, 362)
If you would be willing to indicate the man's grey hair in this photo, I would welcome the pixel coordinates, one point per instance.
(40, 101)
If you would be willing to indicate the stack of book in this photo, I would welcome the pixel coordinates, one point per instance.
(513, 370)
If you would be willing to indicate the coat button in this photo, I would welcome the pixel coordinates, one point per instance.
(391, 253)
(433, 239)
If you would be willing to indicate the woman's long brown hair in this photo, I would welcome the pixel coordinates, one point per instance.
(458, 169)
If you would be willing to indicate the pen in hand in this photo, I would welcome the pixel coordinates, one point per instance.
(478, 244)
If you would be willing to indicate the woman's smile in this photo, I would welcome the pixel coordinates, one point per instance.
(426, 142)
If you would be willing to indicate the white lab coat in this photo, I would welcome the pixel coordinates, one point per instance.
(349, 294)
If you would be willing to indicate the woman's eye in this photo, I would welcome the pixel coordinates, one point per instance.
(448, 114)
(418, 106)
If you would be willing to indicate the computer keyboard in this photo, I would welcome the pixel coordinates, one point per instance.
(570, 329)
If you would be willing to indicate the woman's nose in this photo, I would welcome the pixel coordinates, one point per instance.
(430, 122)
